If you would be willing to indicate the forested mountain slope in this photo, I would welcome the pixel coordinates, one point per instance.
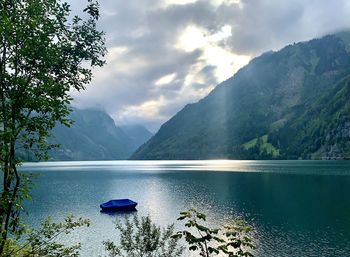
(289, 104)
(93, 136)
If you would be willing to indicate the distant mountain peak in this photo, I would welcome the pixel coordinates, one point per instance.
(94, 136)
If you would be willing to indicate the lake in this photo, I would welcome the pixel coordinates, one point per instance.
(297, 208)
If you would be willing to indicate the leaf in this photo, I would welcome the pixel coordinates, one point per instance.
(193, 248)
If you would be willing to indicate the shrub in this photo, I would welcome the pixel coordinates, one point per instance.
(140, 237)
(232, 240)
(43, 241)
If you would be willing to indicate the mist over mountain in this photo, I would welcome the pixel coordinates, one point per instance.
(137, 134)
(94, 136)
(289, 104)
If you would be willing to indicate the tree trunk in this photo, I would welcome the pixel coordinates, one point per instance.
(9, 196)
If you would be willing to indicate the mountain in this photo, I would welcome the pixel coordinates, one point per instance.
(137, 134)
(94, 136)
(289, 104)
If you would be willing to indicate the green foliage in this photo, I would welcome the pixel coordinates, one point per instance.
(323, 125)
(43, 55)
(43, 241)
(260, 148)
(205, 236)
(13, 249)
(232, 240)
(238, 240)
(250, 144)
(142, 238)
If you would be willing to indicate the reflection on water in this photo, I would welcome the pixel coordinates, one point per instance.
(304, 167)
(298, 208)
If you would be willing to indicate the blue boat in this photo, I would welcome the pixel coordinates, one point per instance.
(118, 205)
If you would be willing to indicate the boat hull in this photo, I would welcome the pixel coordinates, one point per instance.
(119, 205)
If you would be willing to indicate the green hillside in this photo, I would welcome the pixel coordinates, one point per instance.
(93, 136)
(289, 104)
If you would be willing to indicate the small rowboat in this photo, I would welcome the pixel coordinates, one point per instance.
(118, 205)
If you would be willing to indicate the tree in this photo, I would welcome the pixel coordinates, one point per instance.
(43, 55)
(43, 241)
(142, 238)
(232, 240)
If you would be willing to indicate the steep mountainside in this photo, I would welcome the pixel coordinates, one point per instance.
(137, 134)
(289, 104)
(93, 136)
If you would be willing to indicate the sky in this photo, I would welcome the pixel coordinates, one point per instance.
(165, 54)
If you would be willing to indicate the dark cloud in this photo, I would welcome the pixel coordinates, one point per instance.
(262, 25)
(142, 38)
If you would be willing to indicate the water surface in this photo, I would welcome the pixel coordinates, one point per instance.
(297, 208)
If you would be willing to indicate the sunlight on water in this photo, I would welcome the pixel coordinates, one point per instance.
(297, 208)
(304, 167)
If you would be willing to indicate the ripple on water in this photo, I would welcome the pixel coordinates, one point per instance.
(297, 208)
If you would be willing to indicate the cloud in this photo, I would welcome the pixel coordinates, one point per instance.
(261, 25)
(165, 54)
